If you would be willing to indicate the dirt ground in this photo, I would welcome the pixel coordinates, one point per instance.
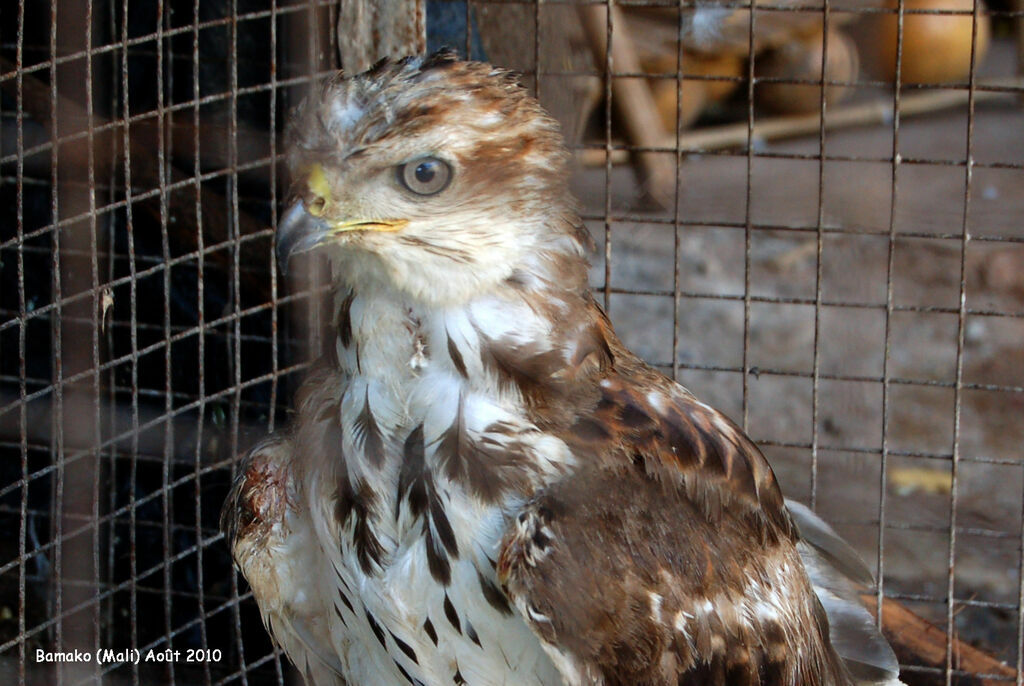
(849, 335)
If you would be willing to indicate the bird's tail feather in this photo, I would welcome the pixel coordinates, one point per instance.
(838, 576)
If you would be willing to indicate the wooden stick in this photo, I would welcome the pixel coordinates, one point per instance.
(917, 641)
(841, 117)
(632, 99)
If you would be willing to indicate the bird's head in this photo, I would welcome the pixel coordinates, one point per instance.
(432, 176)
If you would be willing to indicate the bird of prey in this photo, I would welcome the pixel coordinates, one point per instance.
(481, 484)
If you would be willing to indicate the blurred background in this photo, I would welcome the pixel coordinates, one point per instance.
(811, 214)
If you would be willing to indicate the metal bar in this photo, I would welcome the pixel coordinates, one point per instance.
(22, 370)
(608, 95)
(889, 309)
(272, 257)
(235, 350)
(677, 160)
(748, 221)
(961, 335)
(134, 341)
(164, 143)
(111, 462)
(819, 255)
(57, 420)
(1019, 39)
(95, 330)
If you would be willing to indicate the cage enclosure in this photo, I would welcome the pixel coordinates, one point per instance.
(811, 216)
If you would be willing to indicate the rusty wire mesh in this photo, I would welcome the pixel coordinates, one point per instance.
(854, 298)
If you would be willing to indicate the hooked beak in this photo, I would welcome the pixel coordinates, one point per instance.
(303, 227)
(298, 231)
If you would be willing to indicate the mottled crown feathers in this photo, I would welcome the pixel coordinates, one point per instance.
(397, 97)
(505, 208)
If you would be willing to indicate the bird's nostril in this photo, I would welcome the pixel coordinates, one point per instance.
(315, 205)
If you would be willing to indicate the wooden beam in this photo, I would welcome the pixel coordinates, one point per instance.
(874, 113)
(632, 99)
(369, 30)
(918, 642)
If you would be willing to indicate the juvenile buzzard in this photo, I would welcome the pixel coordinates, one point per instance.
(482, 485)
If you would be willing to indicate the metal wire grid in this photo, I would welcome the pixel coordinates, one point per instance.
(123, 457)
(117, 452)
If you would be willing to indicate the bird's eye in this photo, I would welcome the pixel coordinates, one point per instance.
(425, 175)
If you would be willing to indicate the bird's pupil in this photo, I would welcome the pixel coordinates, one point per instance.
(425, 172)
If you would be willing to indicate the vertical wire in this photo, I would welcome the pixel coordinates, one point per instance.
(134, 336)
(197, 472)
(1020, 537)
(97, 311)
(748, 222)
(1018, 6)
(272, 257)
(19, 118)
(608, 66)
(676, 228)
(536, 43)
(314, 331)
(889, 309)
(73, 510)
(965, 237)
(236, 347)
(469, 29)
(1020, 596)
(56, 321)
(332, 34)
(819, 249)
(165, 246)
(112, 420)
(274, 296)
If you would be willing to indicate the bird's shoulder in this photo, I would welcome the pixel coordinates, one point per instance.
(667, 555)
(619, 415)
(646, 427)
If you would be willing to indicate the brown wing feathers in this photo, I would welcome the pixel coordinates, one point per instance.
(612, 408)
(645, 565)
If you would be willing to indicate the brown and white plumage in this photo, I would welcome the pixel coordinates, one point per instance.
(482, 485)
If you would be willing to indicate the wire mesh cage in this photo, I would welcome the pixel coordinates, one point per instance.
(846, 280)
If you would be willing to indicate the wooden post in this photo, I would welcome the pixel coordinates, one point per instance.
(369, 30)
(632, 100)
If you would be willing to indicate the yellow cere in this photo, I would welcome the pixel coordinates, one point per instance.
(318, 185)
